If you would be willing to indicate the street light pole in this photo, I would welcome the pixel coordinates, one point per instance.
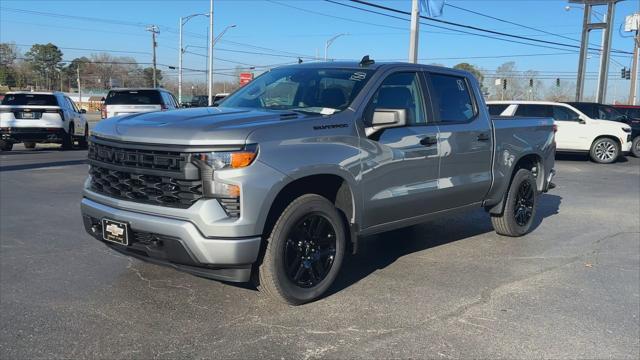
(154, 31)
(210, 54)
(415, 29)
(328, 43)
(181, 50)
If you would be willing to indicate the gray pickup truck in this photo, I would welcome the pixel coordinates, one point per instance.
(278, 183)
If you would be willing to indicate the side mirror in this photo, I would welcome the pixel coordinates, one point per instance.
(386, 118)
(83, 111)
(581, 121)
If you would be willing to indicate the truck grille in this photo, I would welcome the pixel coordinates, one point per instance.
(140, 159)
(150, 189)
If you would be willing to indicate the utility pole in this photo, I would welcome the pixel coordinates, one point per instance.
(587, 26)
(79, 88)
(210, 53)
(154, 30)
(415, 30)
(632, 23)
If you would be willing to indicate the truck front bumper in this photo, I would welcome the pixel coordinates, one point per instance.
(176, 243)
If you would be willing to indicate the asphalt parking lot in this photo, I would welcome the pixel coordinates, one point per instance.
(449, 288)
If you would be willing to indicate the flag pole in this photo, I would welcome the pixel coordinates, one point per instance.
(415, 29)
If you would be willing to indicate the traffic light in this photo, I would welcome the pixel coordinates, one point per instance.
(557, 82)
(627, 74)
(504, 84)
(530, 82)
(623, 73)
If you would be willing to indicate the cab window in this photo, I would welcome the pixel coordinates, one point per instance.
(452, 98)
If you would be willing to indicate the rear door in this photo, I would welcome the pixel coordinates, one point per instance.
(465, 140)
(399, 178)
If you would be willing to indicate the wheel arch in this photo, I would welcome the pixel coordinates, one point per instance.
(530, 161)
(334, 187)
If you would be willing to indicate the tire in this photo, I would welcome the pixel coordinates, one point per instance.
(294, 266)
(604, 150)
(6, 146)
(30, 145)
(520, 206)
(83, 143)
(67, 139)
(635, 147)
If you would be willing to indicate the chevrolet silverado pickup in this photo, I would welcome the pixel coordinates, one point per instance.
(277, 183)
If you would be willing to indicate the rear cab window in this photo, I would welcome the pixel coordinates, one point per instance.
(30, 99)
(133, 97)
(452, 98)
(497, 109)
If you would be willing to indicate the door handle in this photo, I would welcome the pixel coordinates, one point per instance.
(429, 140)
(483, 137)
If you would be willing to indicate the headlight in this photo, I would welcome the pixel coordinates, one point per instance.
(219, 160)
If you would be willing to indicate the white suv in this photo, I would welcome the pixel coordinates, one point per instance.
(604, 140)
(41, 117)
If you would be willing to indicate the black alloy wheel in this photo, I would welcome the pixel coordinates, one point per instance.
(524, 203)
(310, 250)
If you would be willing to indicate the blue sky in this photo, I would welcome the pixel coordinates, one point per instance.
(289, 28)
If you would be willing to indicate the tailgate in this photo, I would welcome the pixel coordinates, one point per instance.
(30, 116)
(115, 110)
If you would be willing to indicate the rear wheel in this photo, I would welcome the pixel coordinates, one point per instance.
(635, 147)
(304, 252)
(29, 145)
(520, 206)
(67, 138)
(6, 146)
(604, 151)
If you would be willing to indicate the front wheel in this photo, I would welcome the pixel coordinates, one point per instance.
(6, 145)
(83, 142)
(604, 151)
(635, 147)
(304, 252)
(520, 206)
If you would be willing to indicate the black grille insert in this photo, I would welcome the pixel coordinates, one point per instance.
(150, 189)
(141, 159)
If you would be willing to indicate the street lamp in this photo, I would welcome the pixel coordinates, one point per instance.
(329, 42)
(183, 21)
(213, 43)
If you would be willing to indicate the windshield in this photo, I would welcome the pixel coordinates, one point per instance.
(133, 97)
(610, 113)
(29, 99)
(324, 91)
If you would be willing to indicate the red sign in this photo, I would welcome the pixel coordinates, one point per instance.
(245, 78)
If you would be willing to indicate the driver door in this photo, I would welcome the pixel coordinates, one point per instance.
(400, 174)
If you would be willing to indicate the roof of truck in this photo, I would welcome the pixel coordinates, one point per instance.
(374, 66)
(33, 92)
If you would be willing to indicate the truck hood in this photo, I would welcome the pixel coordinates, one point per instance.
(199, 126)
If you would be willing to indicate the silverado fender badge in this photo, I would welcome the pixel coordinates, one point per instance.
(330, 126)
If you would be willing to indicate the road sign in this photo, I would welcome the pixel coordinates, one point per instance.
(245, 78)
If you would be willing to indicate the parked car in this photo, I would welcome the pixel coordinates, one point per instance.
(579, 129)
(132, 101)
(41, 117)
(198, 101)
(218, 98)
(279, 182)
(632, 118)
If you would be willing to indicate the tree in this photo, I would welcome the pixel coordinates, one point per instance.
(45, 61)
(564, 92)
(473, 70)
(147, 74)
(8, 55)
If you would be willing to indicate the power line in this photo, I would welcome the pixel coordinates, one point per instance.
(84, 49)
(470, 27)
